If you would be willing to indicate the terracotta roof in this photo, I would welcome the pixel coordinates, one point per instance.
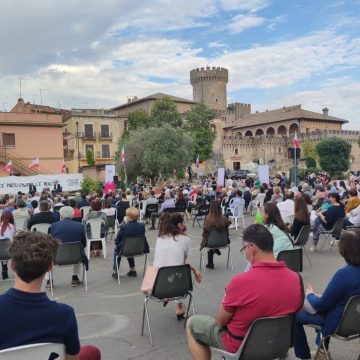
(285, 113)
(156, 96)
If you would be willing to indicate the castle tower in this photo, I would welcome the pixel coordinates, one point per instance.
(209, 86)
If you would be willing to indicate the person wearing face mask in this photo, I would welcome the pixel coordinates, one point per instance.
(268, 289)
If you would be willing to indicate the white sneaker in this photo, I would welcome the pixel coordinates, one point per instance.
(232, 226)
(334, 242)
(313, 249)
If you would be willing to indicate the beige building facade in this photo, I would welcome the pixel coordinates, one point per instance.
(98, 130)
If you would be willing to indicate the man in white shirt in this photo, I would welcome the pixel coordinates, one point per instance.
(287, 207)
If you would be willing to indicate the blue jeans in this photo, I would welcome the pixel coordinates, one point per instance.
(301, 346)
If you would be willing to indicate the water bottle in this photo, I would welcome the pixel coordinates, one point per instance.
(259, 218)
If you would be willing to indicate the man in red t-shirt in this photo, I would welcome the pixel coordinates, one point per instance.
(268, 289)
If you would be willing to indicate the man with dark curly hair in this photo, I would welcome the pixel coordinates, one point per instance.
(27, 315)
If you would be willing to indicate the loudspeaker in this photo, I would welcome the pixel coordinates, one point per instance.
(115, 179)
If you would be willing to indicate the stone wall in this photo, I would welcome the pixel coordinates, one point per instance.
(274, 149)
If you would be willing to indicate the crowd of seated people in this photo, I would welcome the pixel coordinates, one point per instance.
(286, 209)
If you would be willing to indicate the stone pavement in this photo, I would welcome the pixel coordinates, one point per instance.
(110, 315)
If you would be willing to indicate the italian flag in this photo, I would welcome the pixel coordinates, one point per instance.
(296, 143)
(123, 154)
(8, 166)
(34, 164)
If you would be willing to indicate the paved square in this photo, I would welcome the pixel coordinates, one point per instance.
(110, 315)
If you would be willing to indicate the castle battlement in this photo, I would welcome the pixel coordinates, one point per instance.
(205, 74)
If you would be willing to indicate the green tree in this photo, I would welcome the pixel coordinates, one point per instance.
(138, 119)
(90, 159)
(157, 151)
(198, 124)
(88, 185)
(308, 149)
(334, 154)
(310, 162)
(164, 112)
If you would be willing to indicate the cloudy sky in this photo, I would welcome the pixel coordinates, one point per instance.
(91, 53)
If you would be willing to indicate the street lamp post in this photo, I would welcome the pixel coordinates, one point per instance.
(77, 146)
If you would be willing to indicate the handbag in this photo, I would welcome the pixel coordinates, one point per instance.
(149, 280)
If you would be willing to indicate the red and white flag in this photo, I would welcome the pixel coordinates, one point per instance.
(197, 161)
(35, 163)
(296, 143)
(63, 167)
(9, 166)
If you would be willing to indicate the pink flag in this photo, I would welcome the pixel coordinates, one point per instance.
(296, 143)
(63, 167)
(8, 166)
(35, 163)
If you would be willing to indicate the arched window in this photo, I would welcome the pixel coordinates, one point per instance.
(281, 130)
(294, 128)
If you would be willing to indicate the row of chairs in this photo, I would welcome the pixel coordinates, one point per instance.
(267, 338)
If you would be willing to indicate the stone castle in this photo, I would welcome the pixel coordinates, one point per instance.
(264, 137)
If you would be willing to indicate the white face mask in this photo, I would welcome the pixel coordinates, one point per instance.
(248, 262)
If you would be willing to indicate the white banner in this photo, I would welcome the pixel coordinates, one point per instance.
(263, 171)
(109, 173)
(221, 177)
(13, 184)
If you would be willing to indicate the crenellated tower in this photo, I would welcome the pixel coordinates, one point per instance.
(209, 86)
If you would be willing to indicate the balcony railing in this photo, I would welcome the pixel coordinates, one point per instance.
(97, 155)
(88, 135)
(104, 136)
(100, 155)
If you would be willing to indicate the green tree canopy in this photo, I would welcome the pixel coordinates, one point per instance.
(198, 124)
(164, 112)
(308, 149)
(157, 151)
(138, 119)
(90, 157)
(334, 154)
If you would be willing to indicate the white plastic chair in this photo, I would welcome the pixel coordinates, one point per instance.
(33, 352)
(239, 210)
(20, 222)
(142, 209)
(258, 203)
(223, 202)
(43, 228)
(84, 211)
(95, 229)
(289, 219)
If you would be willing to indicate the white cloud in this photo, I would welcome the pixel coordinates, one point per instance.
(288, 62)
(243, 22)
(216, 44)
(340, 95)
(248, 5)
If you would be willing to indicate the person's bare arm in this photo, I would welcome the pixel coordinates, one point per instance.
(222, 317)
(71, 357)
